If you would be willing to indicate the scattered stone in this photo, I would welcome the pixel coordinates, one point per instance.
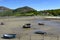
(2, 23)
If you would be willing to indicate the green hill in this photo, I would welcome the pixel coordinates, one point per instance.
(53, 12)
(24, 9)
(27, 11)
(4, 11)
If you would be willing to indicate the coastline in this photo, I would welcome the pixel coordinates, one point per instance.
(14, 25)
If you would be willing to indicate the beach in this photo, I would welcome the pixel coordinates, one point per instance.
(13, 25)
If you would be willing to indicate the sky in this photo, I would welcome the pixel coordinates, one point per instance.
(36, 4)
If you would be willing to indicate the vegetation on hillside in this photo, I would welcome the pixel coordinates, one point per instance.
(55, 12)
(27, 11)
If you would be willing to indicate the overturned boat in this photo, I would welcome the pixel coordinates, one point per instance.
(9, 36)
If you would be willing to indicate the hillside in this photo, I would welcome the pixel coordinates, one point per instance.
(4, 11)
(2, 8)
(27, 11)
(24, 9)
(53, 12)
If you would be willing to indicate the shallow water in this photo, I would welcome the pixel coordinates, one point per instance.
(48, 22)
(50, 26)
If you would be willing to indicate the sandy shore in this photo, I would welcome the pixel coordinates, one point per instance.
(14, 25)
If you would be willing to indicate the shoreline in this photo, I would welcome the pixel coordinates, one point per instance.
(14, 25)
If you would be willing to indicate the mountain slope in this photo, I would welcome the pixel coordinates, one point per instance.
(2, 8)
(24, 9)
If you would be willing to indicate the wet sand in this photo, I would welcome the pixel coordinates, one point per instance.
(14, 25)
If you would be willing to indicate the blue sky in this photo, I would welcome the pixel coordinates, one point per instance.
(36, 4)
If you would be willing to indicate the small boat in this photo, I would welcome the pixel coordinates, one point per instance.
(40, 23)
(40, 32)
(9, 36)
(27, 26)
